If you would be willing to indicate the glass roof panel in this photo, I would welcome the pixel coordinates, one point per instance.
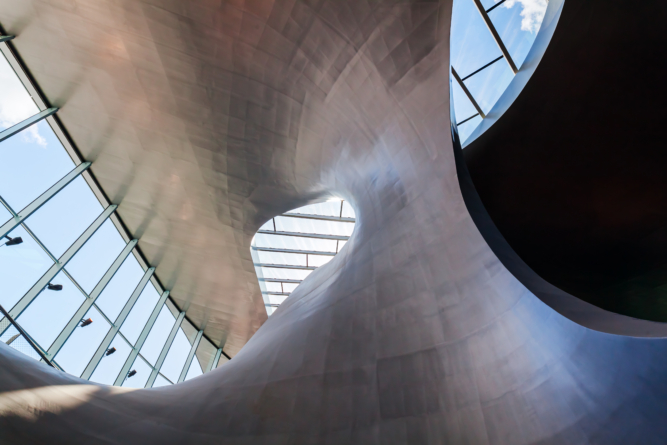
(120, 288)
(328, 208)
(135, 321)
(37, 159)
(161, 381)
(96, 256)
(65, 217)
(178, 353)
(289, 287)
(194, 371)
(303, 225)
(298, 225)
(22, 265)
(287, 274)
(318, 260)
(51, 310)
(294, 242)
(473, 47)
(82, 344)
(109, 367)
(348, 211)
(139, 379)
(15, 101)
(281, 258)
(158, 335)
(4, 214)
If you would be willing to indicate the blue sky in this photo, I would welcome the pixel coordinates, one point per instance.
(472, 46)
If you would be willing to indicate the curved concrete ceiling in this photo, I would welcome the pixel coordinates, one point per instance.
(579, 188)
(415, 333)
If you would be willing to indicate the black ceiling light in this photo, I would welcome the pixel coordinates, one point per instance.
(54, 286)
(131, 373)
(13, 241)
(86, 322)
(110, 351)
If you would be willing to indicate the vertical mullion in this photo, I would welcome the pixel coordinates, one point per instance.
(90, 300)
(142, 338)
(165, 349)
(43, 199)
(191, 355)
(38, 287)
(101, 349)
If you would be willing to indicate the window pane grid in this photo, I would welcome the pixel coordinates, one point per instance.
(55, 226)
(277, 283)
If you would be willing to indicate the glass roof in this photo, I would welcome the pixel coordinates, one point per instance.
(136, 336)
(473, 47)
(291, 246)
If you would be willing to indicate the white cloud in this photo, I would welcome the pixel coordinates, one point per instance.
(532, 13)
(16, 104)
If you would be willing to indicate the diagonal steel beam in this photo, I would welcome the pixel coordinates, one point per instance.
(83, 310)
(467, 92)
(191, 355)
(214, 361)
(43, 199)
(11, 131)
(165, 349)
(319, 217)
(306, 252)
(496, 36)
(142, 339)
(305, 235)
(101, 349)
(284, 266)
(38, 287)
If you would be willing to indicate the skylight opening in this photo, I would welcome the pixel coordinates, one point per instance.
(477, 54)
(289, 247)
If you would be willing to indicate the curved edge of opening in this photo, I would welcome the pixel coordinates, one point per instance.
(569, 306)
(530, 64)
(300, 241)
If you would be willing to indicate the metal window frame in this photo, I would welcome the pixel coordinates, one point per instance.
(115, 327)
(90, 300)
(141, 340)
(214, 362)
(32, 120)
(468, 93)
(47, 113)
(165, 349)
(191, 355)
(284, 266)
(306, 235)
(320, 217)
(495, 35)
(304, 252)
(18, 218)
(39, 286)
